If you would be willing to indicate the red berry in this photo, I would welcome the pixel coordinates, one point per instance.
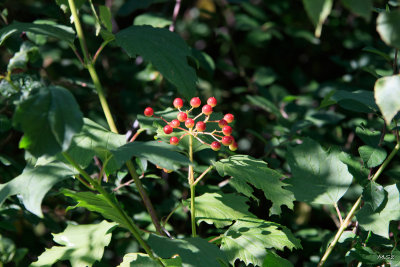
(182, 116)
(212, 101)
(200, 126)
(168, 129)
(215, 146)
(222, 123)
(189, 123)
(167, 171)
(174, 140)
(178, 103)
(233, 146)
(195, 102)
(227, 130)
(229, 117)
(227, 140)
(175, 123)
(148, 112)
(207, 109)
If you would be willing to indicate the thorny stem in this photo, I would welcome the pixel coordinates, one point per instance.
(108, 115)
(355, 207)
(192, 188)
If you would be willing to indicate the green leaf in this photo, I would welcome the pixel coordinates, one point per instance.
(132, 5)
(372, 156)
(318, 11)
(378, 221)
(387, 27)
(220, 209)
(248, 238)
(33, 184)
(359, 172)
(57, 31)
(360, 7)
(143, 260)
(166, 50)
(363, 255)
(370, 138)
(153, 20)
(96, 203)
(192, 251)
(272, 259)
(27, 52)
(358, 101)
(246, 170)
(65, 6)
(265, 104)
(387, 96)
(105, 17)
(374, 195)
(318, 177)
(49, 118)
(82, 245)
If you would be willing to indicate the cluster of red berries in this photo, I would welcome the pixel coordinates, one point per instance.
(198, 128)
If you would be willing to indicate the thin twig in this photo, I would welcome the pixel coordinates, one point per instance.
(136, 135)
(215, 238)
(175, 15)
(339, 214)
(202, 175)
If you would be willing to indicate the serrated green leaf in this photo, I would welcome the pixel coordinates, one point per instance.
(387, 96)
(153, 20)
(81, 245)
(372, 156)
(249, 238)
(272, 259)
(378, 221)
(359, 172)
(143, 260)
(165, 50)
(192, 251)
(364, 255)
(105, 17)
(387, 27)
(57, 31)
(360, 7)
(49, 118)
(246, 170)
(318, 11)
(220, 209)
(318, 177)
(96, 203)
(370, 138)
(374, 195)
(33, 185)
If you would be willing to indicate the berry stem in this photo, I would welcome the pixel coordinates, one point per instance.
(192, 188)
(202, 175)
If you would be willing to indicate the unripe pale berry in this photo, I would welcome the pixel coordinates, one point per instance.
(178, 103)
(148, 112)
(222, 123)
(175, 123)
(174, 140)
(227, 140)
(229, 117)
(182, 116)
(200, 126)
(227, 130)
(215, 146)
(189, 123)
(195, 102)
(207, 109)
(168, 129)
(233, 146)
(212, 101)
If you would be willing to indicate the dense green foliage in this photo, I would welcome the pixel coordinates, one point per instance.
(87, 180)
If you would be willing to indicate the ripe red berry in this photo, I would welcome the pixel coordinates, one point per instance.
(189, 123)
(148, 112)
(215, 146)
(178, 103)
(233, 146)
(168, 129)
(200, 126)
(182, 116)
(222, 123)
(195, 102)
(174, 140)
(229, 117)
(175, 123)
(207, 109)
(212, 101)
(227, 140)
(227, 130)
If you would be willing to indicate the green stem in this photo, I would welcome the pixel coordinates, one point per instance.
(79, 30)
(192, 188)
(355, 207)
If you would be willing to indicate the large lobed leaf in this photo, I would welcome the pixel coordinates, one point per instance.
(49, 118)
(318, 177)
(387, 96)
(246, 170)
(166, 50)
(82, 245)
(33, 185)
